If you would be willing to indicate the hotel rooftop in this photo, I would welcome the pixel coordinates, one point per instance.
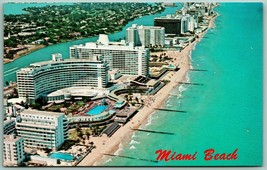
(46, 113)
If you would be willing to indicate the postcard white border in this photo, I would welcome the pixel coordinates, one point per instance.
(188, 168)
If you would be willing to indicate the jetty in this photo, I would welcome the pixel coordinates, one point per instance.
(199, 84)
(129, 157)
(171, 110)
(152, 131)
(197, 70)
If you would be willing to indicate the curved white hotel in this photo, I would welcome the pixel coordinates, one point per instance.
(42, 78)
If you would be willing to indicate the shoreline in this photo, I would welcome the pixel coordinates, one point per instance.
(125, 133)
(24, 52)
(41, 46)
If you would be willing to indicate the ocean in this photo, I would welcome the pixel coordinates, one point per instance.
(223, 114)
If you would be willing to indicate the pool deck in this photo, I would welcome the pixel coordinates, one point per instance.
(97, 110)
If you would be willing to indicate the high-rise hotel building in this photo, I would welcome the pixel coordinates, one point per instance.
(127, 58)
(42, 78)
(172, 24)
(13, 150)
(41, 129)
(145, 35)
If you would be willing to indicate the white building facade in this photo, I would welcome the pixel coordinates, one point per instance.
(188, 23)
(127, 58)
(13, 150)
(41, 129)
(42, 78)
(145, 35)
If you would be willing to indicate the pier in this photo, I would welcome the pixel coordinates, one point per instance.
(170, 110)
(197, 70)
(152, 131)
(129, 157)
(199, 84)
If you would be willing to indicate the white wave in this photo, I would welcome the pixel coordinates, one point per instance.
(109, 160)
(169, 99)
(194, 47)
(182, 88)
(132, 147)
(155, 117)
(190, 57)
(119, 150)
(134, 142)
(148, 134)
(149, 120)
(187, 78)
(169, 105)
(134, 135)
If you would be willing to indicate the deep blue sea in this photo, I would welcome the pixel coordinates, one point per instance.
(226, 112)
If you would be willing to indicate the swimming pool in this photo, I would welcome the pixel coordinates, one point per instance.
(96, 110)
(62, 156)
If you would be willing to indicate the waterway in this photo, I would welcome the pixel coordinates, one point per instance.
(63, 48)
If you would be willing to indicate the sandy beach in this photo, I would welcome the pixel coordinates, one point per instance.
(30, 49)
(106, 145)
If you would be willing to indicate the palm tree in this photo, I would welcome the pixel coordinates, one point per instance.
(87, 133)
(78, 128)
(136, 98)
(94, 131)
(80, 135)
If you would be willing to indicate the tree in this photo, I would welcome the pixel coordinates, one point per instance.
(78, 128)
(136, 98)
(27, 98)
(15, 92)
(94, 131)
(87, 133)
(7, 83)
(80, 135)
(11, 42)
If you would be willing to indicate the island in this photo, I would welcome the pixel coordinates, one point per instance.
(52, 24)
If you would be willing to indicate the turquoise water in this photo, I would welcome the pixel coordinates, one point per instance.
(63, 48)
(62, 156)
(96, 110)
(226, 112)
